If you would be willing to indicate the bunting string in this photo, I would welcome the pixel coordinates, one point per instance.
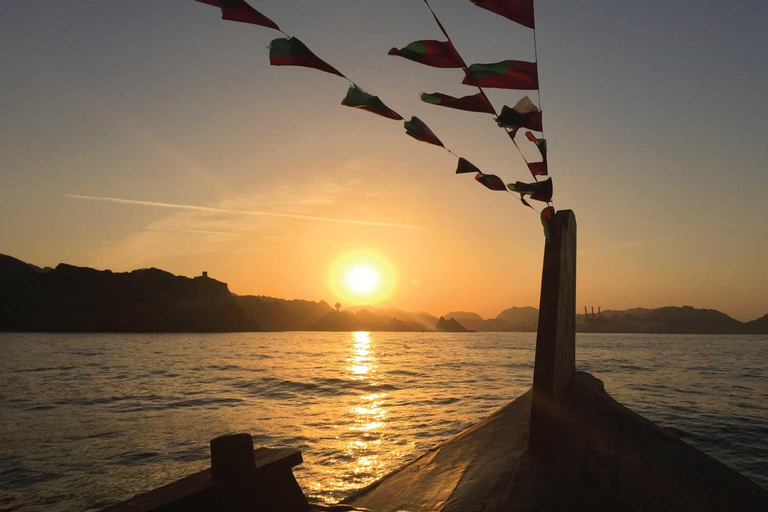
(290, 51)
(469, 73)
(536, 58)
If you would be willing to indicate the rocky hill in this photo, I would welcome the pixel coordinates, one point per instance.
(77, 299)
(451, 325)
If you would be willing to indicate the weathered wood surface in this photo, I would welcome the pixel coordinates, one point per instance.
(606, 458)
(268, 485)
(556, 335)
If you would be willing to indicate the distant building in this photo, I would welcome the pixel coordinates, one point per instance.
(205, 274)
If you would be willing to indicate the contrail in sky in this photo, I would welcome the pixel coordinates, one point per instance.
(242, 212)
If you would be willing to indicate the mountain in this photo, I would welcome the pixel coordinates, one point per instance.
(464, 315)
(759, 326)
(423, 318)
(666, 320)
(520, 319)
(451, 325)
(471, 321)
(510, 320)
(363, 320)
(78, 299)
(283, 315)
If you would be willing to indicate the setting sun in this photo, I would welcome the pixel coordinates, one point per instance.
(362, 278)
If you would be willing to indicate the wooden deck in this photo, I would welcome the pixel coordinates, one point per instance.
(605, 458)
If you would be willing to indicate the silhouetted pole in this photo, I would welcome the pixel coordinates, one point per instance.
(556, 335)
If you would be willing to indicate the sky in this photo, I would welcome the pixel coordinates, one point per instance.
(154, 134)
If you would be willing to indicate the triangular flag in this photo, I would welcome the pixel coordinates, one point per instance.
(540, 143)
(507, 74)
(491, 181)
(540, 191)
(438, 54)
(474, 103)
(292, 52)
(239, 10)
(538, 168)
(550, 222)
(523, 115)
(357, 98)
(519, 11)
(420, 131)
(465, 166)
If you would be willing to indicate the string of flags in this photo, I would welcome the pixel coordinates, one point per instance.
(507, 74)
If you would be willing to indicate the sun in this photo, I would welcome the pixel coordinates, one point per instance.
(362, 278)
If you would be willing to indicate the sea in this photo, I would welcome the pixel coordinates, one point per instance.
(87, 420)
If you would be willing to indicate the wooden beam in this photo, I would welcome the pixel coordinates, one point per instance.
(556, 335)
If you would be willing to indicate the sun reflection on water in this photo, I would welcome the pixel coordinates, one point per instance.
(368, 417)
(362, 439)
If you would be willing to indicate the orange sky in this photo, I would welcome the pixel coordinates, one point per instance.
(257, 175)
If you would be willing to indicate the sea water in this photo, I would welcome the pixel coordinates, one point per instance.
(87, 420)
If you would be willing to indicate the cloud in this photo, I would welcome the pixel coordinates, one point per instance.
(209, 209)
(193, 231)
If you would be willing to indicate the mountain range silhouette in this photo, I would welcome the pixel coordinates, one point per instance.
(81, 299)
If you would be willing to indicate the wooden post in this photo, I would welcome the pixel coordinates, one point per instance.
(231, 456)
(556, 335)
(240, 479)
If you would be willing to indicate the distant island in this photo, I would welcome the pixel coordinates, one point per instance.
(81, 299)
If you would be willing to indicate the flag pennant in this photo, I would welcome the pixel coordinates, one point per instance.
(540, 190)
(491, 181)
(540, 143)
(417, 129)
(519, 11)
(465, 167)
(523, 115)
(474, 103)
(507, 74)
(438, 54)
(239, 10)
(550, 222)
(292, 52)
(538, 168)
(357, 98)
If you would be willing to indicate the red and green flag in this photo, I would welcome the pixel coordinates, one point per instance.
(417, 129)
(239, 10)
(438, 54)
(491, 181)
(474, 103)
(540, 190)
(507, 74)
(465, 167)
(550, 222)
(519, 11)
(358, 98)
(292, 52)
(523, 115)
(540, 143)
